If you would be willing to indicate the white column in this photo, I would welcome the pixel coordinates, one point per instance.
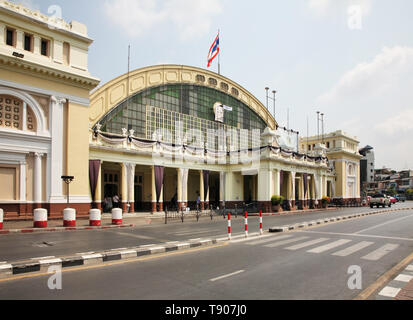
(37, 183)
(293, 185)
(55, 160)
(276, 182)
(130, 167)
(265, 185)
(23, 181)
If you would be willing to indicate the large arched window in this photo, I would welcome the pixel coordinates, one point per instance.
(196, 101)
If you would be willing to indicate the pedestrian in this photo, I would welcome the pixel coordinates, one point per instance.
(198, 201)
(115, 201)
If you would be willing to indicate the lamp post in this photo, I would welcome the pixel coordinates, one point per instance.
(322, 128)
(269, 98)
(68, 180)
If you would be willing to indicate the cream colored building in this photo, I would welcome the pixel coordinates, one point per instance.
(44, 108)
(344, 158)
(134, 123)
(151, 137)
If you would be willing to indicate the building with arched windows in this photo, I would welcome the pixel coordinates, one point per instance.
(44, 107)
(166, 135)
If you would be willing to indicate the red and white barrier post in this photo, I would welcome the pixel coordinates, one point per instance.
(95, 218)
(261, 232)
(246, 224)
(229, 226)
(40, 218)
(69, 217)
(1, 218)
(117, 216)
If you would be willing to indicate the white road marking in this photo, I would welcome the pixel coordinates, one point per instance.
(357, 235)
(383, 224)
(272, 238)
(191, 232)
(137, 236)
(227, 276)
(281, 243)
(409, 268)
(307, 244)
(404, 278)
(329, 246)
(389, 292)
(381, 252)
(350, 250)
(252, 237)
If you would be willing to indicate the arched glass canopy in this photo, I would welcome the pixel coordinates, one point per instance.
(187, 99)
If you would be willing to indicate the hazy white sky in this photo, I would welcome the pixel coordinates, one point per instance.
(351, 59)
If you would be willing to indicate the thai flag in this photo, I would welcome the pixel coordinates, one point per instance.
(213, 52)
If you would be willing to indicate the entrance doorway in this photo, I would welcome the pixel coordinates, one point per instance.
(214, 190)
(250, 189)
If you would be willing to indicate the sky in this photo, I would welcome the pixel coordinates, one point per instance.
(349, 59)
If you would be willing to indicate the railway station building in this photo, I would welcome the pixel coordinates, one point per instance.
(160, 136)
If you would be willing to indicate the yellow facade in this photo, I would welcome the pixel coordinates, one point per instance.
(342, 153)
(44, 65)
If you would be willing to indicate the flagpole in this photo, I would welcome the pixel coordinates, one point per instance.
(219, 55)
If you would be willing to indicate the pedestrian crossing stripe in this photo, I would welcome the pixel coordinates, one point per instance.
(285, 240)
(353, 249)
(329, 246)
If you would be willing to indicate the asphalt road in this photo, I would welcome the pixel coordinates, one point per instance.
(15, 247)
(309, 264)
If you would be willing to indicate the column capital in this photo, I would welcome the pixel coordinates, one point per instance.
(38, 154)
(58, 100)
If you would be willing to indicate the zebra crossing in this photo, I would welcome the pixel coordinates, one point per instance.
(334, 247)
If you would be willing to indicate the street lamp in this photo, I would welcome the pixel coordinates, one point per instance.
(67, 180)
(266, 89)
(273, 99)
(322, 128)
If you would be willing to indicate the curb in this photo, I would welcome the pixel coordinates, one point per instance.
(329, 220)
(286, 213)
(62, 229)
(7, 269)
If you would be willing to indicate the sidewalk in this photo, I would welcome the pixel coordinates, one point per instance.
(400, 288)
(132, 219)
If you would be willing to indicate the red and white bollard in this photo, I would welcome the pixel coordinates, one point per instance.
(40, 218)
(117, 216)
(95, 218)
(69, 217)
(1, 218)
(261, 232)
(246, 224)
(229, 226)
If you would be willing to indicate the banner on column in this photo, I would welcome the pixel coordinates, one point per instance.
(159, 176)
(94, 168)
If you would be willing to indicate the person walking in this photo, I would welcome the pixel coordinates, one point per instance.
(115, 201)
